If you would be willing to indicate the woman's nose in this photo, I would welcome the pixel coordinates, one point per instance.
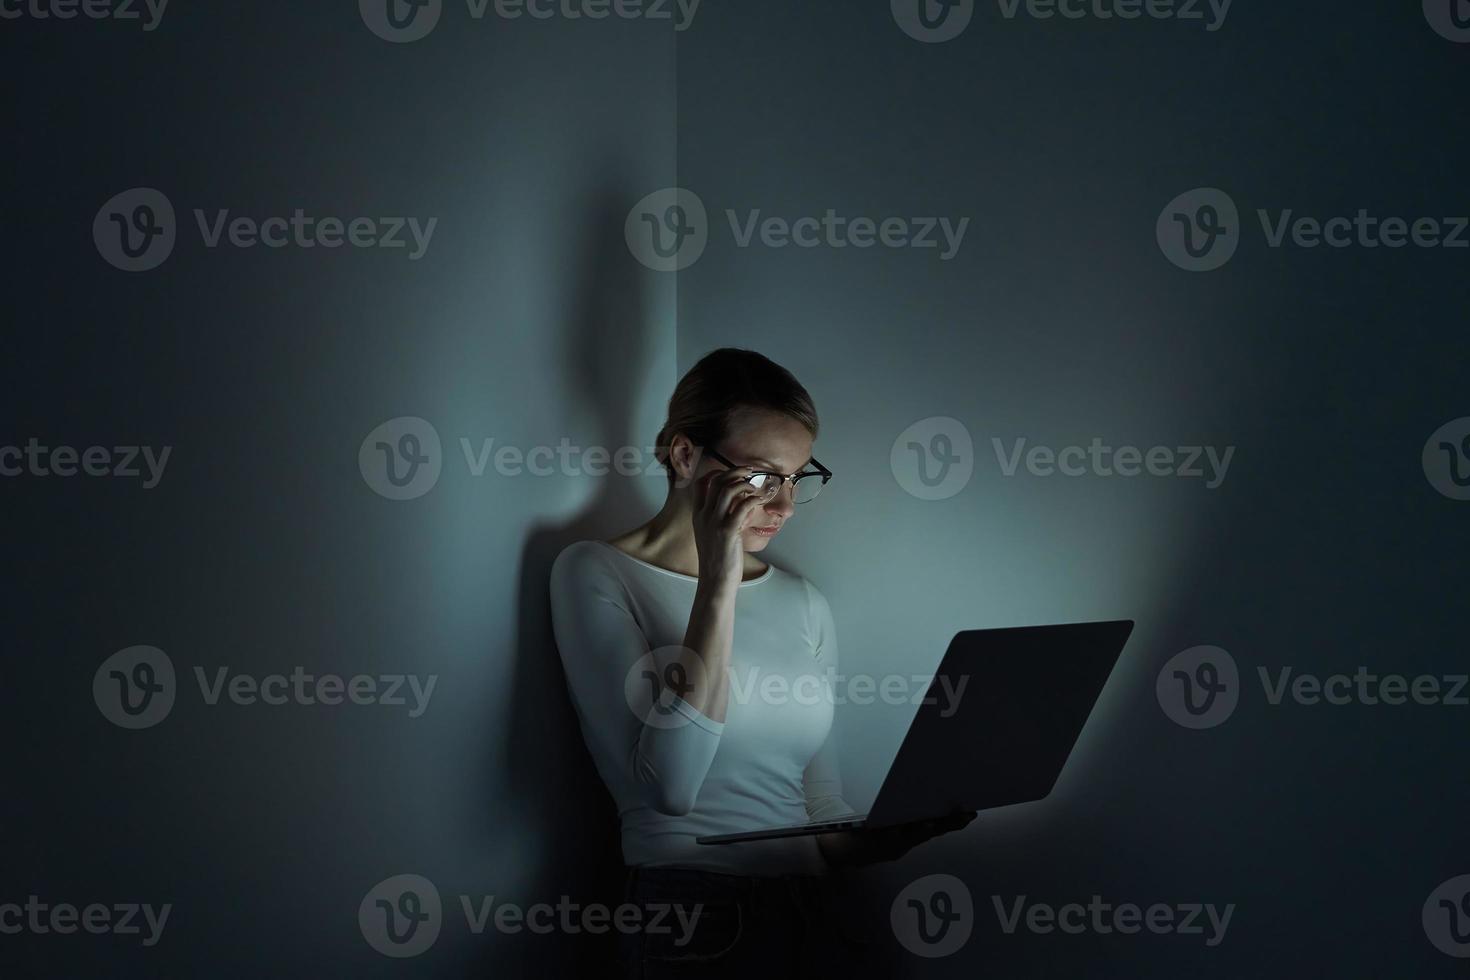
(781, 503)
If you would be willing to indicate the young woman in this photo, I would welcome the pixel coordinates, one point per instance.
(670, 636)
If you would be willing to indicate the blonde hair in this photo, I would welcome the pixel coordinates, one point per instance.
(719, 384)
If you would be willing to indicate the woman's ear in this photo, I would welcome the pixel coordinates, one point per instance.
(683, 459)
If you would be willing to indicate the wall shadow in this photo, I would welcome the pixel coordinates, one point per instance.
(607, 345)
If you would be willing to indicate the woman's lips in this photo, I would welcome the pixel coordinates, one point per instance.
(766, 532)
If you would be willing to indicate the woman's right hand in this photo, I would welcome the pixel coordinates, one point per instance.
(723, 502)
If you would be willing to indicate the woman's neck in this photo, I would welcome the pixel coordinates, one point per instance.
(667, 540)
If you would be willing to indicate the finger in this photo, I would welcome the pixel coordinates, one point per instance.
(734, 520)
(743, 508)
(713, 485)
(734, 486)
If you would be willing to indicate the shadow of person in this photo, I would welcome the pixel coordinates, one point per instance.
(609, 345)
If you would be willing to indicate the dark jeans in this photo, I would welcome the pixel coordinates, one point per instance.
(732, 925)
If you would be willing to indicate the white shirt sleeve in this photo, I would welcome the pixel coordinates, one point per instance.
(600, 642)
(823, 777)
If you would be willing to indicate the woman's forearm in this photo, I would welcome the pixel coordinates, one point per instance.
(707, 641)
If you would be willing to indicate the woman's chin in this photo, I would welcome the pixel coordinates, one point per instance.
(756, 542)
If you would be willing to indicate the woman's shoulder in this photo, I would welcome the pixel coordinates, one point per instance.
(581, 562)
(798, 584)
(820, 609)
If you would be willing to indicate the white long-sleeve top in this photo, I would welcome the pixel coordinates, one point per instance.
(673, 772)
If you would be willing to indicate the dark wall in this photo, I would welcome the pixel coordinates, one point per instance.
(1061, 319)
(272, 540)
(264, 547)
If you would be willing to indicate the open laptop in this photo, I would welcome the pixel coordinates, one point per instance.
(1027, 694)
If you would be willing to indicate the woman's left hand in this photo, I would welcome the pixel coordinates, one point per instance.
(854, 848)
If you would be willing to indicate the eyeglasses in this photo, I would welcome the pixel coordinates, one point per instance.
(766, 483)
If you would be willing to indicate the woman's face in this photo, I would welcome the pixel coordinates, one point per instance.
(765, 440)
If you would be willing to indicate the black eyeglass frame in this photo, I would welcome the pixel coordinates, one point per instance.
(782, 478)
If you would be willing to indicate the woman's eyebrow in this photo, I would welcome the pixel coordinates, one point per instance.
(766, 462)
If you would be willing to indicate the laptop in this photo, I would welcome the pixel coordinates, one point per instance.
(1027, 694)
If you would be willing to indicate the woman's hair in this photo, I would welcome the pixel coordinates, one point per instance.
(723, 382)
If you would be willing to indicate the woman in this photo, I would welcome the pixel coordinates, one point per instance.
(670, 635)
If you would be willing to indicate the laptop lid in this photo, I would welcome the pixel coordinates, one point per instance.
(1003, 737)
